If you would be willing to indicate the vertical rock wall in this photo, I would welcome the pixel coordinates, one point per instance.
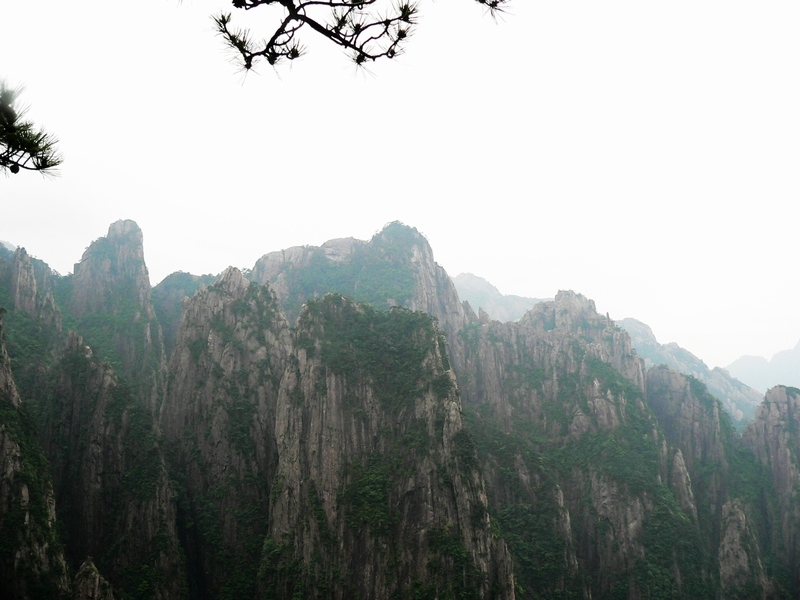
(110, 299)
(218, 420)
(774, 437)
(112, 489)
(378, 492)
(31, 558)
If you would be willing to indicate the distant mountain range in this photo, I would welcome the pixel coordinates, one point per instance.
(762, 374)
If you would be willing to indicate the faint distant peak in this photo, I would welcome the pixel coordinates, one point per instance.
(482, 295)
(762, 374)
(637, 328)
(470, 280)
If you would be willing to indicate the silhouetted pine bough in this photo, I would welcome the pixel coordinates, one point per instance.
(366, 29)
(22, 145)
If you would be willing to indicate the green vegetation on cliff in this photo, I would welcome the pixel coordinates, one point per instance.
(85, 404)
(378, 273)
(382, 380)
(331, 460)
(25, 520)
(387, 347)
(547, 482)
(168, 298)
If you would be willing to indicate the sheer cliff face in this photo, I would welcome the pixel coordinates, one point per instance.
(773, 438)
(281, 270)
(576, 467)
(8, 389)
(366, 492)
(26, 291)
(110, 298)
(434, 291)
(89, 584)
(708, 471)
(378, 491)
(218, 420)
(168, 298)
(110, 264)
(31, 558)
(31, 282)
(539, 368)
(112, 489)
(690, 419)
(741, 572)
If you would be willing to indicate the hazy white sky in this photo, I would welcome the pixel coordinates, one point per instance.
(644, 154)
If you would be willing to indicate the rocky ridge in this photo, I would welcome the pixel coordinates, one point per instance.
(357, 451)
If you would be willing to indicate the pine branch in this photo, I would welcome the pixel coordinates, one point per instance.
(22, 145)
(367, 30)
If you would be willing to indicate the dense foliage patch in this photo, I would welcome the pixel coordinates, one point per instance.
(388, 348)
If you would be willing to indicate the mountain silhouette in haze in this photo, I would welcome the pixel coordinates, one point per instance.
(483, 295)
(762, 374)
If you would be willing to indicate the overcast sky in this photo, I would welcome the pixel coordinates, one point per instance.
(645, 154)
